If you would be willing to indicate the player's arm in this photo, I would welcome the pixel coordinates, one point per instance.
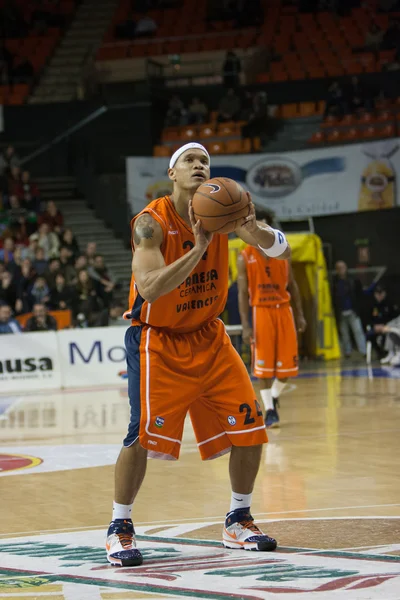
(243, 297)
(152, 276)
(293, 289)
(260, 235)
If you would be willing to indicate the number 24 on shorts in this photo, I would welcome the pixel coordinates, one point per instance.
(248, 420)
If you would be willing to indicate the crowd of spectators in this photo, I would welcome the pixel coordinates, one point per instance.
(353, 98)
(15, 22)
(42, 267)
(365, 314)
(251, 109)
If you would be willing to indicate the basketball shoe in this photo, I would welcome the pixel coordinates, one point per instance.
(240, 531)
(121, 544)
(272, 417)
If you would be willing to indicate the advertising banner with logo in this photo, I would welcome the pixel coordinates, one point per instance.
(298, 184)
(29, 361)
(94, 356)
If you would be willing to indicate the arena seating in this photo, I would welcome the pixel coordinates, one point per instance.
(384, 123)
(36, 47)
(303, 45)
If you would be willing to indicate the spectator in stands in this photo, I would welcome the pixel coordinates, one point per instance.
(52, 217)
(68, 240)
(258, 120)
(86, 301)
(61, 295)
(40, 291)
(145, 27)
(7, 252)
(21, 230)
(358, 97)
(110, 316)
(335, 103)
(392, 342)
(25, 281)
(28, 193)
(66, 267)
(7, 323)
(176, 113)
(15, 211)
(382, 311)
(40, 261)
(126, 29)
(347, 295)
(14, 179)
(392, 36)
(231, 70)
(91, 252)
(49, 241)
(373, 37)
(8, 290)
(81, 263)
(105, 284)
(197, 112)
(53, 268)
(30, 251)
(8, 159)
(229, 107)
(40, 320)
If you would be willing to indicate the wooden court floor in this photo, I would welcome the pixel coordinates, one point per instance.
(328, 490)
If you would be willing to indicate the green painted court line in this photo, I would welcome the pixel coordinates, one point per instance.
(82, 580)
(283, 549)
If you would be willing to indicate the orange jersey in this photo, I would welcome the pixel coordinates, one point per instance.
(267, 278)
(202, 296)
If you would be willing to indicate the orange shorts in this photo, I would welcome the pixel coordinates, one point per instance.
(200, 372)
(275, 352)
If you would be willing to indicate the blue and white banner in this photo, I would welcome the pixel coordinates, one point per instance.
(29, 361)
(299, 184)
(69, 358)
(94, 356)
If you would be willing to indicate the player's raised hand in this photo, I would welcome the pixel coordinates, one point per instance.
(249, 223)
(201, 238)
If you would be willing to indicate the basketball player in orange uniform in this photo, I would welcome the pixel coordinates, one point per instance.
(181, 359)
(267, 285)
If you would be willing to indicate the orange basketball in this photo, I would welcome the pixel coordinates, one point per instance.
(220, 204)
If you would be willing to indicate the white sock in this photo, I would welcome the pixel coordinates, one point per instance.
(266, 396)
(121, 511)
(240, 501)
(278, 387)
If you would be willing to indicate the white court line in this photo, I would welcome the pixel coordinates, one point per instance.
(216, 520)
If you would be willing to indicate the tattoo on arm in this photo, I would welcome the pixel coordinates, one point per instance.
(144, 229)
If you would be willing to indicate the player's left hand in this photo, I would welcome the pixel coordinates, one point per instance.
(249, 223)
(301, 324)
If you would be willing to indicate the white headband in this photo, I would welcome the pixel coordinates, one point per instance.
(183, 149)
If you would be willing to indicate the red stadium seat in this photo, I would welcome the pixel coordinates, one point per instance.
(216, 148)
(317, 138)
(188, 133)
(162, 151)
(206, 131)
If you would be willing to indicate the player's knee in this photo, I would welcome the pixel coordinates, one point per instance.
(266, 384)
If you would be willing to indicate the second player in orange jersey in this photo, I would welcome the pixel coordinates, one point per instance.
(266, 285)
(180, 358)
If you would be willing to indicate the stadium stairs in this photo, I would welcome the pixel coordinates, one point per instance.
(87, 227)
(66, 69)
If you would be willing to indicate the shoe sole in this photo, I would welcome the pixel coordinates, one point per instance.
(254, 546)
(273, 425)
(126, 562)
